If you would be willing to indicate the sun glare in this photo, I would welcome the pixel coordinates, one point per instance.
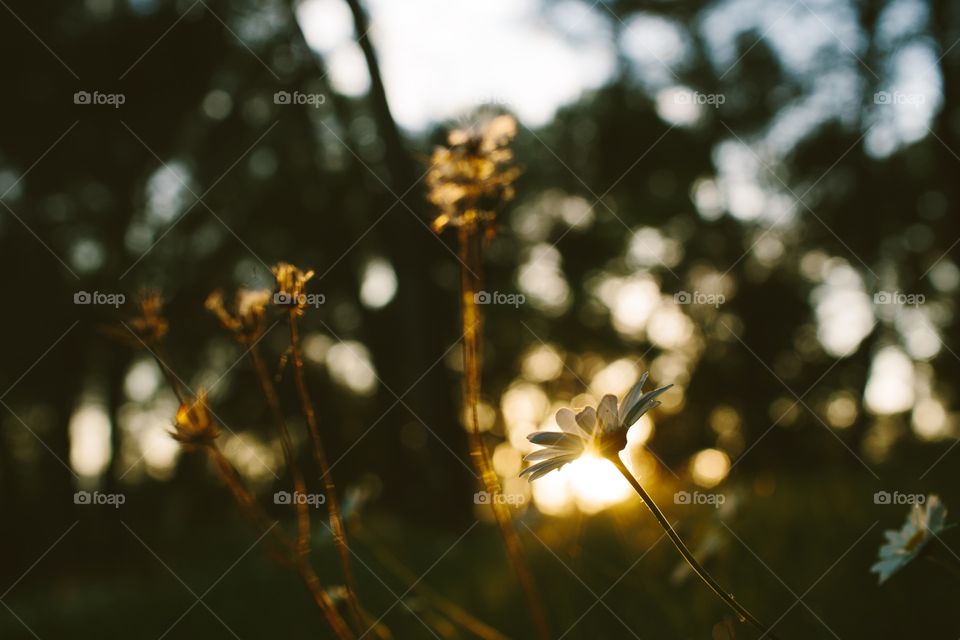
(589, 484)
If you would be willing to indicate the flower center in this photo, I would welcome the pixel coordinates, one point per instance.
(915, 540)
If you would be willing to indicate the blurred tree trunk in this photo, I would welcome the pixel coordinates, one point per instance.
(412, 333)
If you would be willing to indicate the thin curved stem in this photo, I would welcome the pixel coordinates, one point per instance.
(273, 402)
(252, 511)
(470, 266)
(301, 565)
(320, 455)
(441, 603)
(739, 609)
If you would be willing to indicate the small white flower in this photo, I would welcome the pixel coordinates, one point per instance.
(603, 428)
(923, 524)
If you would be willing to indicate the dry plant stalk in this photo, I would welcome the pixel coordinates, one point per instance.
(196, 429)
(467, 182)
(447, 607)
(291, 293)
(247, 324)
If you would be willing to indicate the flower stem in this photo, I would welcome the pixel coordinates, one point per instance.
(249, 507)
(319, 454)
(273, 402)
(728, 598)
(252, 511)
(469, 253)
(414, 583)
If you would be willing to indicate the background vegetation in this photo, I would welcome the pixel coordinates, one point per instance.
(826, 176)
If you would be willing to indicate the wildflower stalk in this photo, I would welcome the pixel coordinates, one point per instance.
(255, 514)
(470, 266)
(161, 358)
(249, 506)
(447, 607)
(273, 402)
(303, 515)
(728, 598)
(194, 429)
(319, 454)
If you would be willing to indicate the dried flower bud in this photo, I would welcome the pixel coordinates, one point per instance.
(148, 328)
(193, 424)
(469, 180)
(247, 320)
(291, 286)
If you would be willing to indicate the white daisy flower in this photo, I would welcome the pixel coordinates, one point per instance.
(603, 428)
(924, 523)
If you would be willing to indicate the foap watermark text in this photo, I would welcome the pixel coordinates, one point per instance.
(98, 98)
(496, 297)
(99, 298)
(311, 99)
(98, 498)
(897, 498)
(512, 499)
(303, 300)
(699, 497)
(698, 297)
(899, 298)
(311, 499)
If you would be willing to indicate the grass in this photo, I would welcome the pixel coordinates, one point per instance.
(107, 584)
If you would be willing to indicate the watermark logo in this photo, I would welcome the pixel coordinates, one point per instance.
(314, 300)
(493, 100)
(896, 97)
(694, 97)
(312, 99)
(97, 498)
(96, 297)
(512, 499)
(897, 498)
(698, 297)
(496, 297)
(698, 497)
(899, 298)
(312, 499)
(97, 98)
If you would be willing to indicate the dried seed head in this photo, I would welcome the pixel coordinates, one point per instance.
(291, 286)
(471, 178)
(193, 424)
(247, 320)
(148, 327)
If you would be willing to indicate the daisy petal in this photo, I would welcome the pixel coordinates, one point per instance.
(587, 419)
(543, 468)
(633, 396)
(557, 439)
(607, 413)
(543, 454)
(643, 405)
(886, 568)
(567, 421)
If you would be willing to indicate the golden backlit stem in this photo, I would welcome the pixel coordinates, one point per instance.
(728, 598)
(172, 379)
(323, 601)
(253, 512)
(249, 506)
(470, 266)
(245, 499)
(319, 454)
(273, 402)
